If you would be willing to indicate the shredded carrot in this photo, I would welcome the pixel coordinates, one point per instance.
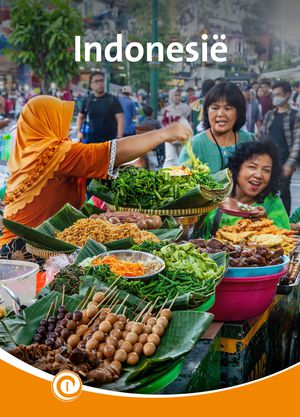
(123, 268)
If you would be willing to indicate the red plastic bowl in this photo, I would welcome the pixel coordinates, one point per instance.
(243, 298)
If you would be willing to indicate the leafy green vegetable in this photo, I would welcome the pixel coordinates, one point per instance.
(68, 277)
(139, 187)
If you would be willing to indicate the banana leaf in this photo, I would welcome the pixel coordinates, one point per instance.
(43, 236)
(185, 328)
(88, 209)
(199, 196)
(33, 314)
(90, 249)
(9, 325)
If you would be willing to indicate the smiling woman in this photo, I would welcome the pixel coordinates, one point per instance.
(255, 170)
(224, 114)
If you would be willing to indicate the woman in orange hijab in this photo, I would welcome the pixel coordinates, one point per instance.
(48, 170)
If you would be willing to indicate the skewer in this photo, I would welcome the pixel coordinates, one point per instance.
(55, 305)
(132, 314)
(63, 295)
(142, 312)
(99, 312)
(114, 301)
(162, 307)
(87, 298)
(121, 305)
(84, 300)
(108, 298)
(114, 283)
(48, 313)
(173, 301)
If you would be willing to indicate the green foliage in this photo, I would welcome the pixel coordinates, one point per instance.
(279, 62)
(43, 38)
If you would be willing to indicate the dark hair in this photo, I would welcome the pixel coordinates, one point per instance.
(266, 82)
(244, 152)
(206, 86)
(190, 89)
(148, 111)
(93, 75)
(233, 96)
(220, 80)
(284, 85)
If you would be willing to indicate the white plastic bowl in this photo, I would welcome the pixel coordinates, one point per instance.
(20, 277)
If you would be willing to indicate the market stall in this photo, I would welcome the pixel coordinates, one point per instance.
(129, 301)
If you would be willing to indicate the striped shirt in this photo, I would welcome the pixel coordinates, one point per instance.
(291, 131)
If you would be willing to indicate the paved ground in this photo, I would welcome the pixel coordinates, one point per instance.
(295, 190)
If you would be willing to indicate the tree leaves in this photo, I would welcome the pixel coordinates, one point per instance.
(43, 35)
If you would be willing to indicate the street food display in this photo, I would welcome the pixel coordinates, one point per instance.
(246, 254)
(263, 232)
(143, 221)
(103, 231)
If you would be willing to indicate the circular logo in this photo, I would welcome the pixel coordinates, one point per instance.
(66, 386)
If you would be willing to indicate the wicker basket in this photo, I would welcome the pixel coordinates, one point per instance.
(41, 253)
(168, 212)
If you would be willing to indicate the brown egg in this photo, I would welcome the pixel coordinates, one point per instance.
(128, 326)
(120, 355)
(147, 329)
(99, 335)
(81, 330)
(163, 321)
(131, 337)
(92, 303)
(110, 340)
(105, 326)
(98, 297)
(116, 365)
(119, 325)
(158, 329)
(151, 321)
(92, 344)
(73, 340)
(116, 333)
(127, 346)
(138, 348)
(132, 358)
(112, 318)
(137, 328)
(109, 351)
(149, 349)
(92, 310)
(166, 313)
(143, 338)
(124, 334)
(120, 343)
(101, 347)
(84, 319)
(122, 318)
(153, 338)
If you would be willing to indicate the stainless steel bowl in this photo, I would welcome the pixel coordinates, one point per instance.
(137, 256)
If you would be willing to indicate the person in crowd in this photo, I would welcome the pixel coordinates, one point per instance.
(253, 115)
(197, 106)
(295, 220)
(8, 106)
(47, 168)
(101, 114)
(220, 80)
(155, 158)
(295, 99)
(20, 103)
(266, 98)
(255, 168)
(172, 113)
(2, 104)
(191, 97)
(282, 125)
(224, 114)
(129, 110)
(255, 86)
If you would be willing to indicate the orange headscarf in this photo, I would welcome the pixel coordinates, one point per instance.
(41, 145)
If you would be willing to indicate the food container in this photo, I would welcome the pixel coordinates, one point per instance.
(137, 256)
(20, 277)
(243, 298)
(256, 271)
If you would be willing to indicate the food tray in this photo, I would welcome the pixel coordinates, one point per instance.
(287, 289)
(244, 272)
(168, 212)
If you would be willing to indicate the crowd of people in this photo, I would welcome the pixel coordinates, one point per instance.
(252, 129)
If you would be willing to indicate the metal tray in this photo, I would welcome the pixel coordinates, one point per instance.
(287, 289)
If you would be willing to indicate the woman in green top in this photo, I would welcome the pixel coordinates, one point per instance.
(224, 113)
(255, 170)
